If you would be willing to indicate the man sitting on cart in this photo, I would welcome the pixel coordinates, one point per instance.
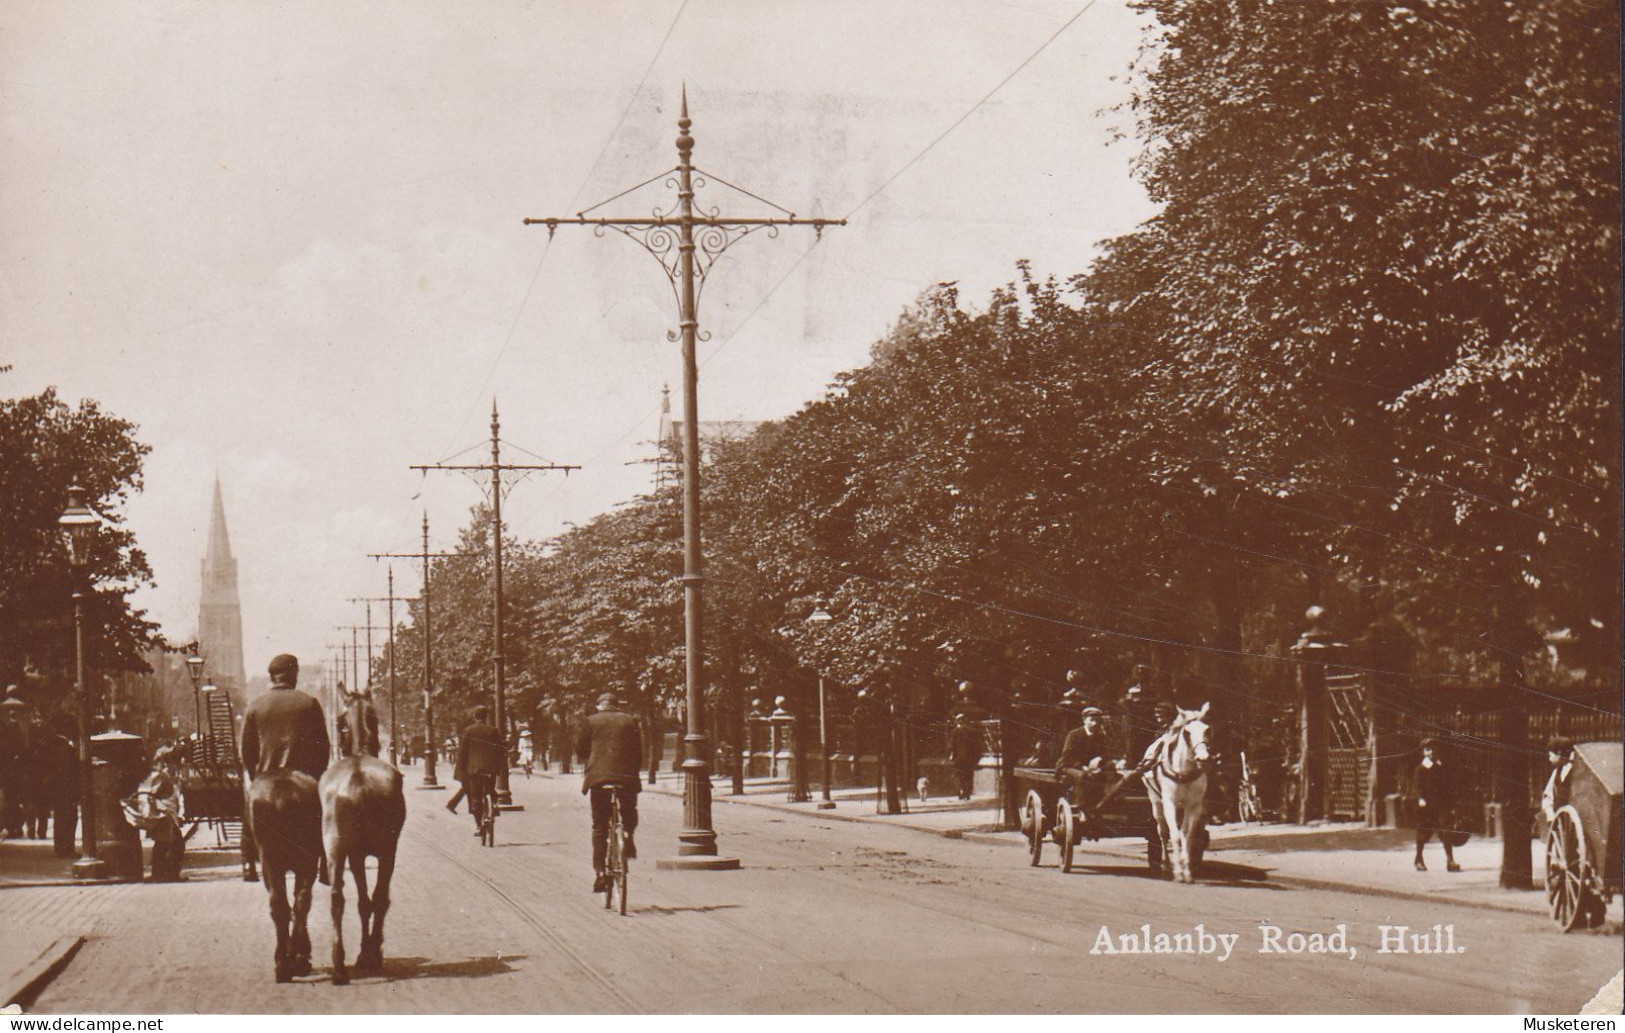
(1083, 757)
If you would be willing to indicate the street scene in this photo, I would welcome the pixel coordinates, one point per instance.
(1132, 527)
(825, 916)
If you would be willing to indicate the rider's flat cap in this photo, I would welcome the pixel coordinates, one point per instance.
(283, 663)
(608, 697)
(1096, 711)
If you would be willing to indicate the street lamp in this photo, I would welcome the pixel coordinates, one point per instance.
(194, 667)
(818, 618)
(79, 524)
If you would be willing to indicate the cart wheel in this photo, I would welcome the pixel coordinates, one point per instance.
(1066, 829)
(1566, 889)
(1032, 822)
(1198, 848)
(1153, 852)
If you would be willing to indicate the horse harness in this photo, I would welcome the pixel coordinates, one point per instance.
(1167, 743)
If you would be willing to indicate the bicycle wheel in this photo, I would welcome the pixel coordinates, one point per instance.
(619, 871)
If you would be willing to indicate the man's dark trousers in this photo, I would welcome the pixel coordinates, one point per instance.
(600, 797)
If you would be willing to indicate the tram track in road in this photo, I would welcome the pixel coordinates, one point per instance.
(530, 918)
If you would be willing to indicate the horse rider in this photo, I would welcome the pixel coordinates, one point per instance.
(481, 757)
(1084, 752)
(610, 747)
(283, 730)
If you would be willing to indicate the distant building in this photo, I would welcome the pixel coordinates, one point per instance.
(220, 615)
(711, 431)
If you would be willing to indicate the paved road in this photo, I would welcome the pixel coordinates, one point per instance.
(826, 917)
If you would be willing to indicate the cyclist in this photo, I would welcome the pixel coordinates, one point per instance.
(610, 747)
(480, 756)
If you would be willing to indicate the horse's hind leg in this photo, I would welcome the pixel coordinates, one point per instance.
(277, 890)
(299, 941)
(373, 949)
(363, 908)
(335, 867)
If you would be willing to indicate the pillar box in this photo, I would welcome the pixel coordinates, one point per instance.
(118, 763)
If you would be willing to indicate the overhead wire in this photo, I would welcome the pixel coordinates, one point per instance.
(807, 252)
(574, 200)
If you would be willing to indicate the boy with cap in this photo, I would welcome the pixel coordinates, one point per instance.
(1086, 748)
(610, 746)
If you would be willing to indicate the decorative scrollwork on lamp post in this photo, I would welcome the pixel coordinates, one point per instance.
(79, 524)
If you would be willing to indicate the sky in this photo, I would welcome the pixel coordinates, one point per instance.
(286, 240)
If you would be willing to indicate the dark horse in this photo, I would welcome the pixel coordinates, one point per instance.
(286, 818)
(363, 810)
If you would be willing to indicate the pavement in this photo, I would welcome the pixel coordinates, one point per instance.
(842, 911)
(1348, 857)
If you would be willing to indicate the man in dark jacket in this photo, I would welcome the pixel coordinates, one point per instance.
(1086, 749)
(284, 730)
(480, 758)
(610, 747)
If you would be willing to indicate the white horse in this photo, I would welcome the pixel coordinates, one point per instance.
(1176, 781)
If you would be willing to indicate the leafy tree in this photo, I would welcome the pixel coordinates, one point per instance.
(46, 445)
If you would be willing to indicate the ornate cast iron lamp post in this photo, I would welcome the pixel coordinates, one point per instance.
(79, 524)
(818, 618)
(194, 667)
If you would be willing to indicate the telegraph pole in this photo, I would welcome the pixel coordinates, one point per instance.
(394, 752)
(429, 779)
(496, 467)
(697, 842)
(369, 600)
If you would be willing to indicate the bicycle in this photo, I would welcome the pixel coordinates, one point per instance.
(483, 802)
(1248, 807)
(615, 859)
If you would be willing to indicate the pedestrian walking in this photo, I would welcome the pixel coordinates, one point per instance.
(16, 778)
(1560, 755)
(965, 752)
(1433, 790)
(59, 760)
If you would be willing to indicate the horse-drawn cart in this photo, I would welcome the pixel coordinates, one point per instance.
(1119, 808)
(1583, 856)
(211, 774)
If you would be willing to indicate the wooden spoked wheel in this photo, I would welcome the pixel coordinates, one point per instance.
(1066, 831)
(1032, 822)
(1568, 889)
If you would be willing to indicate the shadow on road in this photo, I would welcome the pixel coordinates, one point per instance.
(1214, 873)
(658, 909)
(398, 969)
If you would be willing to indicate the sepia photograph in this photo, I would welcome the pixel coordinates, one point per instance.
(894, 508)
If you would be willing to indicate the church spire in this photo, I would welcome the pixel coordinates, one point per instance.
(219, 540)
(220, 620)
